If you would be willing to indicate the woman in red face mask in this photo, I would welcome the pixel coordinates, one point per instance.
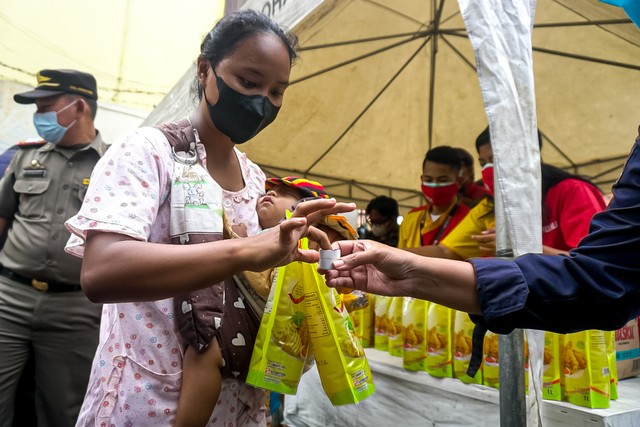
(427, 225)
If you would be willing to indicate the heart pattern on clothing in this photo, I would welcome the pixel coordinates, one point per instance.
(239, 341)
(239, 303)
(217, 321)
(186, 307)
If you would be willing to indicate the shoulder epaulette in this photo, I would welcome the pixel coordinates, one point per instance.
(31, 143)
(419, 208)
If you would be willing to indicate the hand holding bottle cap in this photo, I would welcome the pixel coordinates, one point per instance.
(327, 257)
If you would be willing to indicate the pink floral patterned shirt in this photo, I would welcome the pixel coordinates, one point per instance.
(137, 369)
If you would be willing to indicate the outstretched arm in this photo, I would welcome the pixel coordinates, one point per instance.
(595, 287)
(119, 268)
(434, 251)
(372, 267)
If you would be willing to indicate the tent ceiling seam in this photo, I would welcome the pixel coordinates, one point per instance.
(352, 60)
(393, 12)
(562, 4)
(457, 52)
(363, 112)
(435, 25)
(587, 58)
(413, 35)
(400, 194)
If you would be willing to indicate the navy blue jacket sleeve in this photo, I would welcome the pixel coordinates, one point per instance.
(596, 287)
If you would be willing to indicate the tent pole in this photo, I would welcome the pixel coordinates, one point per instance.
(513, 410)
(437, 14)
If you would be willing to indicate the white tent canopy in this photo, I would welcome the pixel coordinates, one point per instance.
(136, 49)
(378, 84)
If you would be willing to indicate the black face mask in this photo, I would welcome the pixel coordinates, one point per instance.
(240, 116)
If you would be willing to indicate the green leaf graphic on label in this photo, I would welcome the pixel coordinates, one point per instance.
(298, 319)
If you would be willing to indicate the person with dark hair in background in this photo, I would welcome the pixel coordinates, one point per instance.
(568, 203)
(556, 293)
(382, 215)
(43, 310)
(150, 230)
(427, 225)
(471, 192)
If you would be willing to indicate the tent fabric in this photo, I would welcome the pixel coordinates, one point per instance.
(631, 8)
(380, 83)
(136, 49)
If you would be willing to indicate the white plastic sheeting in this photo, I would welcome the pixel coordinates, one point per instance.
(500, 32)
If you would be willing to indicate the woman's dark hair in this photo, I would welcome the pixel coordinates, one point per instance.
(466, 159)
(485, 138)
(551, 176)
(221, 41)
(386, 206)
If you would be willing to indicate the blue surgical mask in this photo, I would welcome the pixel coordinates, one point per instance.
(48, 127)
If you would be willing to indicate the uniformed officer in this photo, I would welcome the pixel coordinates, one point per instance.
(42, 307)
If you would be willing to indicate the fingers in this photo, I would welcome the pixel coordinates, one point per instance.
(314, 210)
(358, 255)
(340, 282)
(484, 238)
(308, 255)
(319, 236)
(307, 207)
(291, 230)
(340, 279)
(346, 246)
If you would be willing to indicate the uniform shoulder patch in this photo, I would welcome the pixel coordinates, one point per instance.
(31, 143)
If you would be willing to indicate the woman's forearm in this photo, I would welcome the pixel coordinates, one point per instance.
(446, 282)
(117, 268)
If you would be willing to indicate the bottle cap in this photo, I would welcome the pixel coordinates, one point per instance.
(327, 257)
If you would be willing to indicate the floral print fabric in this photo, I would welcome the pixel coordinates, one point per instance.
(137, 370)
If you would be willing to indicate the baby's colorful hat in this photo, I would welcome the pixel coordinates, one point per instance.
(306, 187)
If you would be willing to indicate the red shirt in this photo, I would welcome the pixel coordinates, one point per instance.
(569, 206)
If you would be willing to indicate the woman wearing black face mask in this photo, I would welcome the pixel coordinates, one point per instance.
(150, 230)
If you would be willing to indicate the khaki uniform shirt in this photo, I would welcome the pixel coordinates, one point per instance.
(42, 188)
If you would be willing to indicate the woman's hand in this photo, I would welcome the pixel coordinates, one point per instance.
(279, 245)
(380, 269)
(373, 267)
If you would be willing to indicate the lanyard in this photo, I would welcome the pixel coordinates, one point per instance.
(442, 227)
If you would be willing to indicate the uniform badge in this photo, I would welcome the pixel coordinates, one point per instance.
(35, 169)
